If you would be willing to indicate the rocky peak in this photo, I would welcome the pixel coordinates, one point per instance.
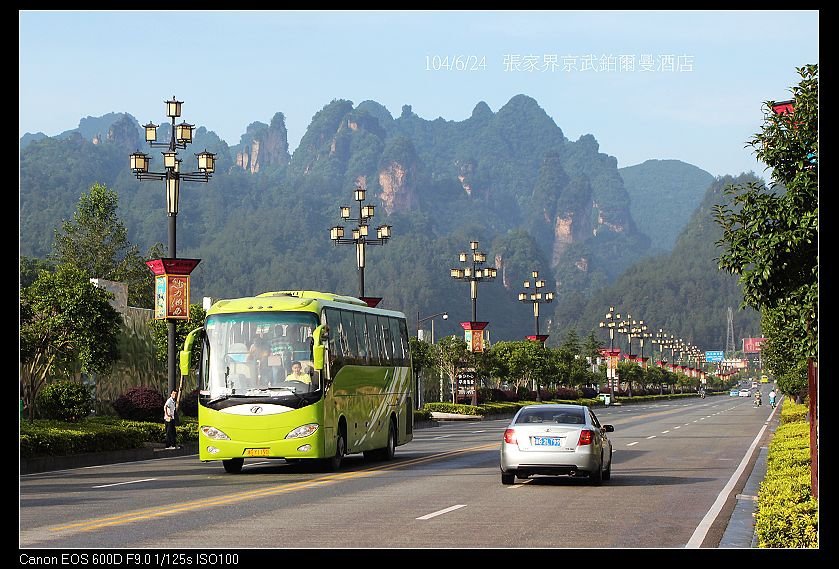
(124, 133)
(264, 145)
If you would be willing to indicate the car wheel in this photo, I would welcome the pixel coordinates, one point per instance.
(596, 477)
(234, 465)
(508, 478)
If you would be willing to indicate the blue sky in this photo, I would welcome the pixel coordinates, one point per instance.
(684, 85)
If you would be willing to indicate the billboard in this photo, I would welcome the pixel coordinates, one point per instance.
(752, 345)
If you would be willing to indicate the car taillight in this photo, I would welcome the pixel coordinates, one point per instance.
(510, 436)
(586, 437)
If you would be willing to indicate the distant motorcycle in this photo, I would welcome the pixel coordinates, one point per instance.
(758, 402)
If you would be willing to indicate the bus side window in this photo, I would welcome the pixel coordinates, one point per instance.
(361, 336)
(387, 340)
(349, 338)
(406, 346)
(332, 318)
(373, 337)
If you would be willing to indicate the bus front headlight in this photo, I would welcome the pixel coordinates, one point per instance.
(302, 431)
(213, 433)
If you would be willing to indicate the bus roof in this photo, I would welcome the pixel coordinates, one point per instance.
(293, 300)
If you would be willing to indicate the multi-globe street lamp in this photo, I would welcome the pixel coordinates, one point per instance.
(642, 336)
(626, 327)
(537, 298)
(360, 236)
(473, 272)
(180, 136)
(611, 324)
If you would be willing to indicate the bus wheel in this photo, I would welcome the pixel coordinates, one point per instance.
(334, 463)
(387, 452)
(390, 449)
(234, 465)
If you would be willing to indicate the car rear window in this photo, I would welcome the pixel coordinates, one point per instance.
(564, 416)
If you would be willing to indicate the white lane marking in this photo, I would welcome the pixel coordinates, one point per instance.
(121, 483)
(630, 444)
(704, 526)
(677, 427)
(440, 512)
(258, 463)
(441, 437)
(665, 432)
(651, 437)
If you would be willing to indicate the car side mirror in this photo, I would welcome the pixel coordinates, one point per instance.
(609, 428)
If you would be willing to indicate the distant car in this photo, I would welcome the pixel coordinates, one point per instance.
(734, 393)
(556, 440)
(745, 393)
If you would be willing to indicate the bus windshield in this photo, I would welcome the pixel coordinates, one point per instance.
(263, 354)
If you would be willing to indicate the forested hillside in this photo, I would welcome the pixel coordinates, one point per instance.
(510, 179)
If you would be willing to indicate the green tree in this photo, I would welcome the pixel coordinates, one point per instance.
(770, 235)
(790, 373)
(30, 267)
(529, 363)
(65, 323)
(96, 242)
(160, 333)
(454, 356)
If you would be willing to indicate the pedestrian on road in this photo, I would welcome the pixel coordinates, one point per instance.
(170, 416)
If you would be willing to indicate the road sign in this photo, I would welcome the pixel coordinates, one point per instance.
(713, 356)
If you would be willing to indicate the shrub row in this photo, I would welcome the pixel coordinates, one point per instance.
(94, 434)
(787, 513)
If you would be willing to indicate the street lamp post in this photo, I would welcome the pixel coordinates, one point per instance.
(445, 316)
(626, 327)
(536, 297)
(179, 137)
(473, 275)
(360, 236)
(610, 324)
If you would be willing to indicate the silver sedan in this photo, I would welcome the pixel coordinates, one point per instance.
(556, 439)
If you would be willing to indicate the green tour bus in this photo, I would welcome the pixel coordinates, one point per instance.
(301, 375)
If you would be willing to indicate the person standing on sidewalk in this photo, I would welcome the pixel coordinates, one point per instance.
(170, 417)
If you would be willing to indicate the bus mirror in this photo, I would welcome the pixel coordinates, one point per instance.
(317, 353)
(320, 337)
(186, 353)
(185, 356)
(321, 334)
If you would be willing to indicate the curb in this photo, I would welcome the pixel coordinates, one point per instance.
(40, 464)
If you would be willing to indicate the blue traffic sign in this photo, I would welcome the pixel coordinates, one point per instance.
(714, 356)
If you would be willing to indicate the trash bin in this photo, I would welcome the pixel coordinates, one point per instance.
(606, 398)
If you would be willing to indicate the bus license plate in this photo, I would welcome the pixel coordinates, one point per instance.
(547, 441)
(256, 451)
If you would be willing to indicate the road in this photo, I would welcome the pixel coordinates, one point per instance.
(673, 483)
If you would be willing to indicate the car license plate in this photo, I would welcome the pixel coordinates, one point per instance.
(256, 451)
(547, 441)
